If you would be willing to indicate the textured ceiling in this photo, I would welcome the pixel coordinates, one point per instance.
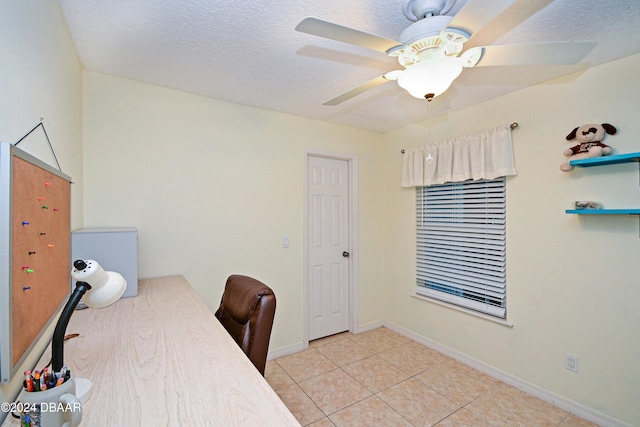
(249, 53)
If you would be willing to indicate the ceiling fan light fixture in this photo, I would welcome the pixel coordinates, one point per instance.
(430, 77)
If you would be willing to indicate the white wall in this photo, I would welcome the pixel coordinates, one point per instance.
(573, 281)
(213, 187)
(41, 77)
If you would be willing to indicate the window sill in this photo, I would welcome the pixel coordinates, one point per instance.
(502, 322)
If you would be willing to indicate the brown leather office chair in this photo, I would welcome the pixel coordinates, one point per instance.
(246, 311)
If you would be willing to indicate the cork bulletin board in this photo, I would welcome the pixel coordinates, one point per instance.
(35, 234)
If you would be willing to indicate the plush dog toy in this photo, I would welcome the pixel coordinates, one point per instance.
(590, 143)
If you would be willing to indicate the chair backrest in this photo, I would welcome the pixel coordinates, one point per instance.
(246, 311)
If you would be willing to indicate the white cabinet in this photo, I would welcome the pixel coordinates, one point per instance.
(115, 249)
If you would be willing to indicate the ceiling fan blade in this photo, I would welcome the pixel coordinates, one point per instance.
(558, 53)
(476, 14)
(357, 90)
(329, 30)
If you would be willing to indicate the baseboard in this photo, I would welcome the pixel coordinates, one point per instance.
(368, 327)
(550, 397)
(285, 351)
(294, 348)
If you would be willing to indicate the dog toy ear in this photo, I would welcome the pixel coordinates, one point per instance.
(572, 135)
(610, 129)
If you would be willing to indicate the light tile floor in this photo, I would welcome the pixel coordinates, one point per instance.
(380, 378)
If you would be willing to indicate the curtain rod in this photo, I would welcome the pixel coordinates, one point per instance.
(512, 126)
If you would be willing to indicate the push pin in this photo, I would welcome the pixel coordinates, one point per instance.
(25, 222)
(26, 288)
(43, 234)
(45, 207)
(24, 267)
(32, 252)
(50, 245)
(41, 198)
(47, 184)
(56, 209)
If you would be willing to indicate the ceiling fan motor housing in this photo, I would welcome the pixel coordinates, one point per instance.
(427, 39)
(420, 9)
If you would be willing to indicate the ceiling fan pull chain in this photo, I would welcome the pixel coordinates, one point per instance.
(429, 119)
(429, 159)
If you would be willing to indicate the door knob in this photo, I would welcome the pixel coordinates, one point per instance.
(345, 254)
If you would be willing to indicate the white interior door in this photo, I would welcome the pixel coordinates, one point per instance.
(328, 246)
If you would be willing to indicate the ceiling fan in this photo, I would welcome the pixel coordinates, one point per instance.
(431, 49)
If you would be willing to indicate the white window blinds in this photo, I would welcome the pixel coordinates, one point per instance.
(461, 253)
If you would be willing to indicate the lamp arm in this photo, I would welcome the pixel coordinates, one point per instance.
(57, 345)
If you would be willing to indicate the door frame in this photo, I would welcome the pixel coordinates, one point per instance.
(352, 164)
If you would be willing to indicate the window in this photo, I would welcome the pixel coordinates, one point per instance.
(461, 246)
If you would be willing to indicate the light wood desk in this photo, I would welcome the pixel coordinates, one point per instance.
(162, 358)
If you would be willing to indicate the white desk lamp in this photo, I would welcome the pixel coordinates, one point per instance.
(100, 289)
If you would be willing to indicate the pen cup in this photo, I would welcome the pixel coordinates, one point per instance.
(55, 407)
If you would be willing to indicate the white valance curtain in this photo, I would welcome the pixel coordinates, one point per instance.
(484, 155)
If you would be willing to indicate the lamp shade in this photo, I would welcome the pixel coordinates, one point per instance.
(106, 286)
(430, 77)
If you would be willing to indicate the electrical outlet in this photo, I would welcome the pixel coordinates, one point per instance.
(571, 362)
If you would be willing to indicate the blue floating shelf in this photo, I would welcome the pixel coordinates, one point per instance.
(607, 160)
(602, 161)
(603, 211)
